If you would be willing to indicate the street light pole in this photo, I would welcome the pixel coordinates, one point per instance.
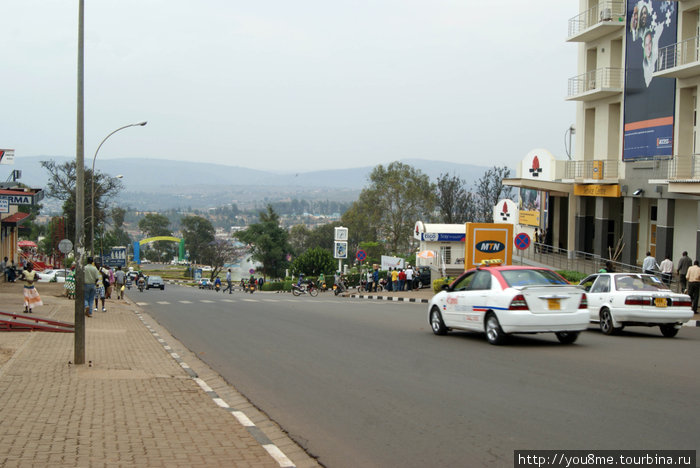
(79, 317)
(92, 184)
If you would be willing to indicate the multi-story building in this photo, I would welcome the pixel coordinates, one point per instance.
(634, 176)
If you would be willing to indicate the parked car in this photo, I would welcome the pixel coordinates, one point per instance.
(422, 278)
(154, 281)
(51, 275)
(204, 283)
(617, 300)
(500, 300)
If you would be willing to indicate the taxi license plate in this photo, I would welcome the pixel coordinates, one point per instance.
(553, 304)
(660, 302)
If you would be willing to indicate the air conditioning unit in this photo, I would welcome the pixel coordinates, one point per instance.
(606, 14)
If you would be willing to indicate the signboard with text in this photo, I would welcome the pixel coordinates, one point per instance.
(488, 241)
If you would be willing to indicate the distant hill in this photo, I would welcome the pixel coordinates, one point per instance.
(163, 184)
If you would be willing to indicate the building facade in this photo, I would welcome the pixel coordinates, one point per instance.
(633, 181)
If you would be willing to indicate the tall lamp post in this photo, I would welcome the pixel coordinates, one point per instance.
(92, 184)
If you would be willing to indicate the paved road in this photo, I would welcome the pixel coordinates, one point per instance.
(366, 383)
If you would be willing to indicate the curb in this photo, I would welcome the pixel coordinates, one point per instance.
(268, 445)
(692, 323)
(390, 298)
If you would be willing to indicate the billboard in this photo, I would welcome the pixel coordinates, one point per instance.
(488, 241)
(649, 101)
(529, 204)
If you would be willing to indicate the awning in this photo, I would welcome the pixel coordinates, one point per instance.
(15, 219)
(26, 243)
(559, 189)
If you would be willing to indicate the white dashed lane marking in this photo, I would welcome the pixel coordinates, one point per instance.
(163, 302)
(185, 302)
(206, 301)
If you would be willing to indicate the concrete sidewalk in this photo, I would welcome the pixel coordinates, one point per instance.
(141, 399)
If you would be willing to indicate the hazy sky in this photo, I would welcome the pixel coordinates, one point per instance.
(281, 84)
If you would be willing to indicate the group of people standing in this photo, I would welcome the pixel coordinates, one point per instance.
(400, 279)
(688, 274)
(100, 281)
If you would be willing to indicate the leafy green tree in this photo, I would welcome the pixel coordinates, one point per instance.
(455, 204)
(374, 251)
(153, 225)
(489, 190)
(61, 185)
(198, 233)
(217, 253)
(398, 195)
(313, 262)
(269, 243)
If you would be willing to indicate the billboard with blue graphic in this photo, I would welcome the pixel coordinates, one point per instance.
(649, 101)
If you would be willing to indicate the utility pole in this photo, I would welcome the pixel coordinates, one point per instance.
(79, 356)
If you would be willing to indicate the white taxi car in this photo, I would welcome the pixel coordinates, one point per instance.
(616, 300)
(500, 300)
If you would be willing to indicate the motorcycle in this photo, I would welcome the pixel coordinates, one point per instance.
(338, 288)
(128, 284)
(217, 286)
(251, 288)
(304, 288)
(142, 285)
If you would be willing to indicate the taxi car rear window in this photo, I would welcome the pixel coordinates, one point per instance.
(515, 278)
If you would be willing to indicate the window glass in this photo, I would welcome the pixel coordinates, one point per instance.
(602, 285)
(482, 280)
(634, 282)
(463, 283)
(526, 277)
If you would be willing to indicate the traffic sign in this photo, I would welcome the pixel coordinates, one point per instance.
(522, 241)
(65, 246)
(361, 255)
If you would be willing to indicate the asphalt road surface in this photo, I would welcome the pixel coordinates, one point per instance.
(366, 383)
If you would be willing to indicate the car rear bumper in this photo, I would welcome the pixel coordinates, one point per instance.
(651, 316)
(527, 322)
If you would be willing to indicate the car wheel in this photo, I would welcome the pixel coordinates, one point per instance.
(436, 322)
(162, 288)
(567, 337)
(494, 332)
(606, 323)
(668, 330)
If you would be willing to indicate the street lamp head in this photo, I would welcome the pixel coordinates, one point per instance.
(142, 123)
(119, 176)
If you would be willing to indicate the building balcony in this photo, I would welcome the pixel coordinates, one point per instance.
(596, 84)
(681, 173)
(680, 60)
(605, 18)
(599, 171)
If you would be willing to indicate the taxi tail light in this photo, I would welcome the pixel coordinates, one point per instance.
(637, 300)
(518, 303)
(682, 303)
(584, 302)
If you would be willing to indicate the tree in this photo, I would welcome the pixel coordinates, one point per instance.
(61, 185)
(153, 225)
(454, 202)
(198, 233)
(268, 242)
(489, 190)
(313, 262)
(396, 198)
(217, 253)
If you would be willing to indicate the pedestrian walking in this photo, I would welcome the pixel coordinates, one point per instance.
(683, 264)
(409, 278)
(69, 285)
(649, 264)
(92, 276)
(693, 277)
(666, 268)
(229, 284)
(100, 287)
(538, 239)
(119, 282)
(31, 295)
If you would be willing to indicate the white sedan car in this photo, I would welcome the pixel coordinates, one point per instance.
(616, 300)
(500, 300)
(51, 275)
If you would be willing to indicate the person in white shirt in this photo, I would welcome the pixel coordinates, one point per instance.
(409, 277)
(649, 264)
(666, 268)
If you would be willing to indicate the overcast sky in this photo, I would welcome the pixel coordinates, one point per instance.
(281, 84)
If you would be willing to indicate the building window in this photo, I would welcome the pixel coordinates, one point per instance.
(446, 254)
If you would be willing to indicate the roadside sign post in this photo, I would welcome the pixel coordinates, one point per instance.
(522, 242)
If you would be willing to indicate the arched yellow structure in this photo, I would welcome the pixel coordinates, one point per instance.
(137, 246)
(159, 238)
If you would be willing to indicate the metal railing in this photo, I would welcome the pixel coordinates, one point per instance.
(678, 167)
(678, 54)
(604, 11)
(596, 169)
(600, 78)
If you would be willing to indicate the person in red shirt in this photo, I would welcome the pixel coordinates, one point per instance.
(402, 279)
